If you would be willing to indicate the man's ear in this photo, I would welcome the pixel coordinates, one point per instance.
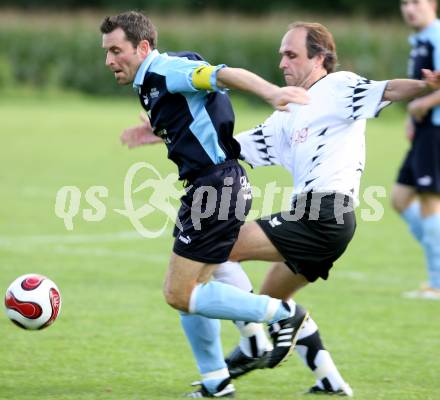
(144, 48)
(319, 60)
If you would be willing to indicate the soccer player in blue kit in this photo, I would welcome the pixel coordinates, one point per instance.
(416, 194)
(189, 111)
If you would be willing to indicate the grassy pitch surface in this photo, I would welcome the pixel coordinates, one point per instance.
(116, 338)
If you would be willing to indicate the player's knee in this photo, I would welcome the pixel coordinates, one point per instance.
(175, 298)
(401, 197)
(398, 201)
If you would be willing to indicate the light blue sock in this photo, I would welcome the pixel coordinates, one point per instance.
(431, 244)
(220, 301)
(413, 218)
(203, 335)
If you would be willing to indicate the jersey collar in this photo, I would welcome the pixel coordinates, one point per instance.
(140, 74)
(424, 33)
(314, 83)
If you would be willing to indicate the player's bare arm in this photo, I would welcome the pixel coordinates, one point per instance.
(404, 89)
(279, 98)
(427, 98)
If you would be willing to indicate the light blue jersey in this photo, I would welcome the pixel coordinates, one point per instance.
(425, 54)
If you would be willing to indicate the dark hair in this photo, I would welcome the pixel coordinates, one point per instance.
(319, 40)
(137, 27)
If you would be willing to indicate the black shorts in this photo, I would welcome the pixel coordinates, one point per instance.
(421, 167)
(212, 211)
(317, 234)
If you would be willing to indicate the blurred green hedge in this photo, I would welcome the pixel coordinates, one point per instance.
(346, 7)
(75, 60)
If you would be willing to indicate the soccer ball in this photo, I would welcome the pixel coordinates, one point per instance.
(32, 302)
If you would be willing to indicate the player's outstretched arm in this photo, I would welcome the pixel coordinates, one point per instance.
(279, 98)
(140, 135)
(420, 107)
(405, 89)
(427, 93)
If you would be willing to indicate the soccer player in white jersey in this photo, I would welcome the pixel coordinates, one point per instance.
(322, 145)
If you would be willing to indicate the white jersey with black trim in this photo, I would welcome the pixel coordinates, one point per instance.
(322, 144)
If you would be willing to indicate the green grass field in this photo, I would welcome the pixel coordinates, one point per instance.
(116, 338)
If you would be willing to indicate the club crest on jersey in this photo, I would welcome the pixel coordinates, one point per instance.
(300, 135)
(154, 93)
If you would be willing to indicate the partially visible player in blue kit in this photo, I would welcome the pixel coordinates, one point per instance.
(416, 195)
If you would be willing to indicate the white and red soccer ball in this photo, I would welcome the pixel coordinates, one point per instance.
(32, 301)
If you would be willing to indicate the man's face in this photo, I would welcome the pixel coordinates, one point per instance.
(121, 57)
(297, 68)
(418, 14)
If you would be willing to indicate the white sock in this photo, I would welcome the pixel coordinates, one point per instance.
(310, 348)
(253, 339)
(326, 372)
(233, 274)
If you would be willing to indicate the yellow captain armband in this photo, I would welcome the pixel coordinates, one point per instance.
(201, 77)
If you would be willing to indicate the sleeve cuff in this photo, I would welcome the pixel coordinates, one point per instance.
(213, 79)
